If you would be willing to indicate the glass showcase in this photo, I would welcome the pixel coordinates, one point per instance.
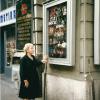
(59, 31)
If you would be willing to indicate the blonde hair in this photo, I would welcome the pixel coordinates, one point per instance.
(26, 47)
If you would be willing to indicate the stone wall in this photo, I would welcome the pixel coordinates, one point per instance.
(37, 26)
(71, 83)
(86, 34)
(59, 88)
(74, 83)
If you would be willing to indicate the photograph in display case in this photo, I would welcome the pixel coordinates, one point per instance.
(59, 31)
(56, 30)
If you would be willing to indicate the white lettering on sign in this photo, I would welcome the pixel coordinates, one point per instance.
(8, 16)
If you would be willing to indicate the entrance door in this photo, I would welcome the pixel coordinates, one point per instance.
(2, 52)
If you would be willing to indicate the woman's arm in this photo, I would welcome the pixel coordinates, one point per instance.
(39, 62)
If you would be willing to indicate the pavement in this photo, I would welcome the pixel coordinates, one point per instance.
(8, 90)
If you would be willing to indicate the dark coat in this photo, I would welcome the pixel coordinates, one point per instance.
(28, 72)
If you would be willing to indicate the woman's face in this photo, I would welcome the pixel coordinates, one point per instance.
(30, 50)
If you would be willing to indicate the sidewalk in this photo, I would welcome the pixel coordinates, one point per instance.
(7, 89)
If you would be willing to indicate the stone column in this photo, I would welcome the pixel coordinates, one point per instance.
(37, 26)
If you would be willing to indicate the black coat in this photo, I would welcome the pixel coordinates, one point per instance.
(28, 72)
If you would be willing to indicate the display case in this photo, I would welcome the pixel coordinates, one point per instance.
(59, 32)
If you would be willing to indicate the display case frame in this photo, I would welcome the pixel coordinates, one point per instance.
(97, 32)
(59, 18)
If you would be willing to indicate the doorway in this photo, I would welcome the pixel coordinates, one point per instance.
(2, 53)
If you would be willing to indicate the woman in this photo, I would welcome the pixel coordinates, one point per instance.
(30, 85)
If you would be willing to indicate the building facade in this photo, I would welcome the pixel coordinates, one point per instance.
(7, 31)
(80, 81)
(61, 80)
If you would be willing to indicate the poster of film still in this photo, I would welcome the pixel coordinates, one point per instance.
(57, 30)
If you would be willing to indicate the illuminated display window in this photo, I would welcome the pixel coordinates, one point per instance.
(59, 32)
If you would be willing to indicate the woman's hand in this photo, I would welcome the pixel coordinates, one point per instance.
(45, 59)
(26, 83)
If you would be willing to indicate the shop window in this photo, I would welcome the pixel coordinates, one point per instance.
(97, 32)
(10, 51)
(3, 4)
(14, 2)
(15, 60)
(59, 32)
(10, 43)
(10, 3)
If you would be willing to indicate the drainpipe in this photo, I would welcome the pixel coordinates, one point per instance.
(92, 81)
(89, 74)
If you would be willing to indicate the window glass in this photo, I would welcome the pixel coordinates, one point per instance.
(3, 4)
(10, 3)
(14, 1)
